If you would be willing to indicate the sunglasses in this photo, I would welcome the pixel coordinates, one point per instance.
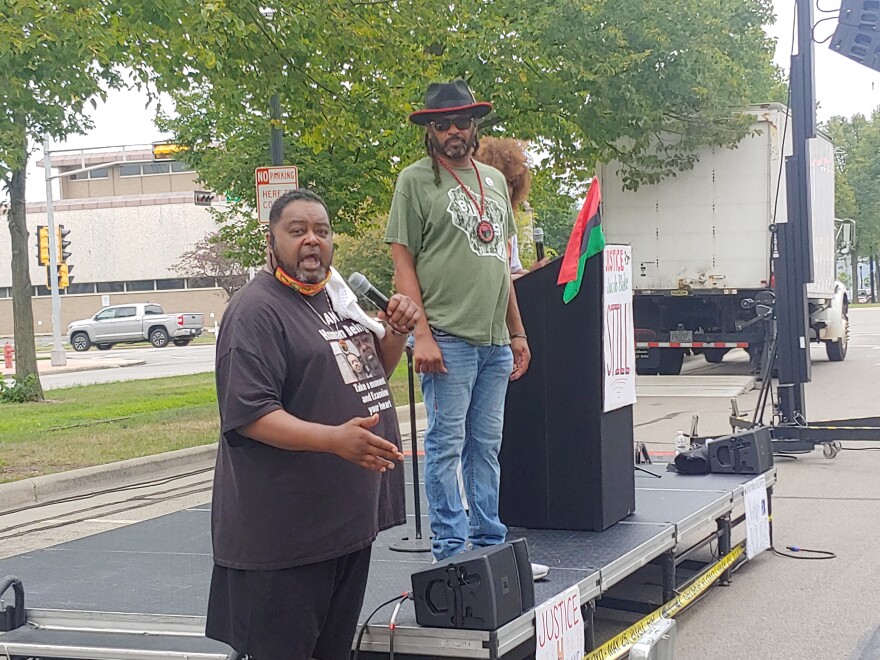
(461, 123)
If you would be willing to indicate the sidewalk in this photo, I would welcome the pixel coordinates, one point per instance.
(75, 364)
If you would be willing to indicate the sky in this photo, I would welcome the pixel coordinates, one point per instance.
(843, 87)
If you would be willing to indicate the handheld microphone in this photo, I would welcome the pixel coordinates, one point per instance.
(361, 285)
(538, 237)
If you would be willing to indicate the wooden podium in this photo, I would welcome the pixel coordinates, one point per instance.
(565, 464)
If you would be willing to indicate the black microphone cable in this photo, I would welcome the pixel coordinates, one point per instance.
(401, 598)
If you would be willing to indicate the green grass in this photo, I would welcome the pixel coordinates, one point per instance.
(95, 424)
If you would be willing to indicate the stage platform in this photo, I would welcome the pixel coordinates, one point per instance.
(140, 591)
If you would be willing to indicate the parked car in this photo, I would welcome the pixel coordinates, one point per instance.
(863, 296)
(129, 324)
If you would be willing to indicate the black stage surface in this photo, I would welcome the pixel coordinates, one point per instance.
(140, 591)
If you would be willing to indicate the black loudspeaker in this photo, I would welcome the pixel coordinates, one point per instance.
(565, 464)
(475, 590)
(858, 32)
(750, 452)
(524, 568)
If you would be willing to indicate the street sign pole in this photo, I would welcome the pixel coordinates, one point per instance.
(59, 357)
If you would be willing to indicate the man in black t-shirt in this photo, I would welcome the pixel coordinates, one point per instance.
(305, 474)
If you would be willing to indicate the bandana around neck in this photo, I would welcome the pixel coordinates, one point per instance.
(302, 287)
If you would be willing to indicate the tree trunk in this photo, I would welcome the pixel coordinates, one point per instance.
(22, 289)
(873, 281)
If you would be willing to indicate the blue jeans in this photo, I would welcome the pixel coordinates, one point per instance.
(465, 419)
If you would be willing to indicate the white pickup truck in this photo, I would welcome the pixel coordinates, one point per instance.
(128, 324)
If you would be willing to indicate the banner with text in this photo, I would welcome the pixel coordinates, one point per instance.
(619, 341)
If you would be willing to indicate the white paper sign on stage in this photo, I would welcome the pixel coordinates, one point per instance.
(757, 516)
(620, 344)
(559, 627)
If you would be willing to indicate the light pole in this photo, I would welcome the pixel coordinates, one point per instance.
(59, 357)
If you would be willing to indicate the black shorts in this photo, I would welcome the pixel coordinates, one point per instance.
(297, 613)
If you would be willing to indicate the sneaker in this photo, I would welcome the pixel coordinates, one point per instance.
(539, 571)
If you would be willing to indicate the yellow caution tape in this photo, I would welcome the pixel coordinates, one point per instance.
(619, 646)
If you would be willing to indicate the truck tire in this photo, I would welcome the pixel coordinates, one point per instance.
(80, 342)
(158, 337)
(714, 355)
(103, 347)
(182, 341)
(836, 350)
(671, 362)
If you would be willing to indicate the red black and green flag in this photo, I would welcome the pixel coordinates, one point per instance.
(586, 240)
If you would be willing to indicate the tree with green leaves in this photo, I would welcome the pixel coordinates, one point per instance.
(857, 185)
(582, 82)
(55, 59)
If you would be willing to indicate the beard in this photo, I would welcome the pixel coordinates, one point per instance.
(310, 277)
(453, 148)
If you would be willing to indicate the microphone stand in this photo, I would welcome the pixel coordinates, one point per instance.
(416, 544)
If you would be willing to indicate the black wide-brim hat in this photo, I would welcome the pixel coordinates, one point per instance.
(449, 98)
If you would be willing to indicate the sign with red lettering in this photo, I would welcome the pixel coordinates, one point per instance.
(272, 182)
(559, 627)
(619, 341)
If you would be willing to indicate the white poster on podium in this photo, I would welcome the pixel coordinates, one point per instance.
(619, 341)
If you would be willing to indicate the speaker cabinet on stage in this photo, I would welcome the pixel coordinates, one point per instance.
(565, 464)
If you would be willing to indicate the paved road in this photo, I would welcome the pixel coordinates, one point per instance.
(160, 362)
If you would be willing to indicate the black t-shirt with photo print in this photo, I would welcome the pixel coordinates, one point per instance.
(274, 508)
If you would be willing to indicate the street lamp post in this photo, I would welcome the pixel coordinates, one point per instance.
(59, 357)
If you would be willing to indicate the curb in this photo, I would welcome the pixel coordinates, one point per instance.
(74, 369)
(53, 487)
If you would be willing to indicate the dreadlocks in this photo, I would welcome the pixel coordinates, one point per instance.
(429, 147)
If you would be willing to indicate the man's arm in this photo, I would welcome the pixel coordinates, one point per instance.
(518, 342)
(427, 357)
(352, 441)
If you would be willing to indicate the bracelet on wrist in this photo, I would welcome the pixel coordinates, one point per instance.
(518, 336)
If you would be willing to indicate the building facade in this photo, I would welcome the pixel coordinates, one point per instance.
(130, 221)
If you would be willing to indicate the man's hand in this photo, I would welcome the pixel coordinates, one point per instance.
(402, 314)
(521, 357)
(539, 264)
(427, 357)
(354, 442)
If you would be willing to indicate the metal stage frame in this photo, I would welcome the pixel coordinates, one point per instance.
(139, 592)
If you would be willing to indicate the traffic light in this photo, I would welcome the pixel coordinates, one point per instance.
(202, 197)
(64, 278)
(60, 234)
(43, 246)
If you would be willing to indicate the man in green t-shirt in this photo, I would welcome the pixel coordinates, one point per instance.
(449, 228)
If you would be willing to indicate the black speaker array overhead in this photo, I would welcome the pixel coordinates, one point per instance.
(858, 32)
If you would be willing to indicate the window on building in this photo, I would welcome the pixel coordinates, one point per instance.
(110, 287)
(76, 287)
(140, 285)
(178, 166)
(42, 291)
(201, 283)
(129, 170)
(5, 292)
(79, 176)
(156, 168)
(100, 173)
(170, 284)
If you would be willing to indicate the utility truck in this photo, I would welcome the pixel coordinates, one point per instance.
(703, 249)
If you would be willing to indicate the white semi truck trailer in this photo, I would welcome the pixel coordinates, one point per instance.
(702, 244)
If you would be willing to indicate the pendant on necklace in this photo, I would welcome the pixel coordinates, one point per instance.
(485, 231)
